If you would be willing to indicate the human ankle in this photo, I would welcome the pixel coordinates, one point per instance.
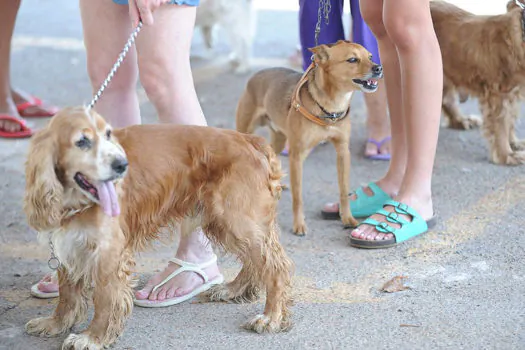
(389, 185)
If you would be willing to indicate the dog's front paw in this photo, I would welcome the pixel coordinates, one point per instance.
(263, 324)
(225, 292)
(299, 228)
(518, 145)
(471, 121)
(516, 158)
(80, 342)
(349, 221)
(45, 327)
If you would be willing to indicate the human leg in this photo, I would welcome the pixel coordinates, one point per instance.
(414, 45)
(368, 199)
(164, 65)
(8, 12)
(378, 145)
(165, 72)
(106, 28)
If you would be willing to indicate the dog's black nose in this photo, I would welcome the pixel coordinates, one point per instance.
(377, 69)
(119, 165)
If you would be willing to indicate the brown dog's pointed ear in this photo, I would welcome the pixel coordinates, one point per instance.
(320, 53)
(43, 191)
(511, 5)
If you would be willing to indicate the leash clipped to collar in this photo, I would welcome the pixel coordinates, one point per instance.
(297, 104)
(116, 66)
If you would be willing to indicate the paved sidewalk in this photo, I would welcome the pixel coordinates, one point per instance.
(466, 277)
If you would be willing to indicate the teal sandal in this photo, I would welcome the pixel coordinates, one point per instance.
(408, 229)
(364, 205)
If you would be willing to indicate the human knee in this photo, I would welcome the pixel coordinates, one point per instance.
(125, 80)
(156, 79)
(372, 14)
(406, 32)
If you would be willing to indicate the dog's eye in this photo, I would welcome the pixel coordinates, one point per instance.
(83, 143)
(353, 60)
(370, 57)
(108, 134)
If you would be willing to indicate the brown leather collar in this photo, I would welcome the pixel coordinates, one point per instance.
(326, 120)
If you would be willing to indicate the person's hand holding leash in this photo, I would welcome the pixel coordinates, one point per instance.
(142, 10)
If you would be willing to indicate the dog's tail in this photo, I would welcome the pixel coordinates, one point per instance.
(273, 163)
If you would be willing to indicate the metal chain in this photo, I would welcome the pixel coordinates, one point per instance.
(53, 261)
(325, 6)
(116, 66)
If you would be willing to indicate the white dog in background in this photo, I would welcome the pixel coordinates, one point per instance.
(237, 19)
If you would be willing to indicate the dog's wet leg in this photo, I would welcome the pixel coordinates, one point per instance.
(499, 111)
(450, 107)
(71, 309)
(113, 301)
(275, 268)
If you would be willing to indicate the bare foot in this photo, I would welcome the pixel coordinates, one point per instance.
(21, 97)
(48, 284)
(334, 207)
(179, 285)
(9, 108)
(370, 233)
(377, 146)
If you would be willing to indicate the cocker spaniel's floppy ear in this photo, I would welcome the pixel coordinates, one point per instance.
(43, 192)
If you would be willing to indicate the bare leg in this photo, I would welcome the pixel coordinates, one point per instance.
(164, 65)
(408, 38)
(163, 59)
(8, 12)
(377, 124)
(165, 72)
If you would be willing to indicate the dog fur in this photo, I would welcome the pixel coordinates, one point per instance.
(267, 100)
(483, 57)
(237, 19)
(220, 180)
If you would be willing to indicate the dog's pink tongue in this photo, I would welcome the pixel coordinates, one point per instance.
(108, 198)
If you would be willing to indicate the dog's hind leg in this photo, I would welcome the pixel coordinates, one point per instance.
(450, 108)
(499, 111)
(265, 266)
(246, 117)
(245, 288)
(275, 269)
(515, 143)
(278, 140)
(71, 309)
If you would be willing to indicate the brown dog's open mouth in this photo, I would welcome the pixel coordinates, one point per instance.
(366, 85)
(84, 184)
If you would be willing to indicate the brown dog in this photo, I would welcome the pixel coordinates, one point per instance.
(309, 109)
(484, 56)
(79, 173)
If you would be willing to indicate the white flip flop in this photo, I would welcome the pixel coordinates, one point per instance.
(37, 293)
(184, 266)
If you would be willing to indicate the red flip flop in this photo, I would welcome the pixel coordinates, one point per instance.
(24, 132)
(48, 112)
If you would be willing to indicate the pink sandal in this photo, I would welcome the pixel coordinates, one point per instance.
(36, 102)
(46, 283)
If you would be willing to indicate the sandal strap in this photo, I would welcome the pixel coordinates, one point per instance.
(401, 208)
(188, 266)
(382, 227)
(393, 217)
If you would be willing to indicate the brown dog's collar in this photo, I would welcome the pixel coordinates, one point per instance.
(297, 104)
